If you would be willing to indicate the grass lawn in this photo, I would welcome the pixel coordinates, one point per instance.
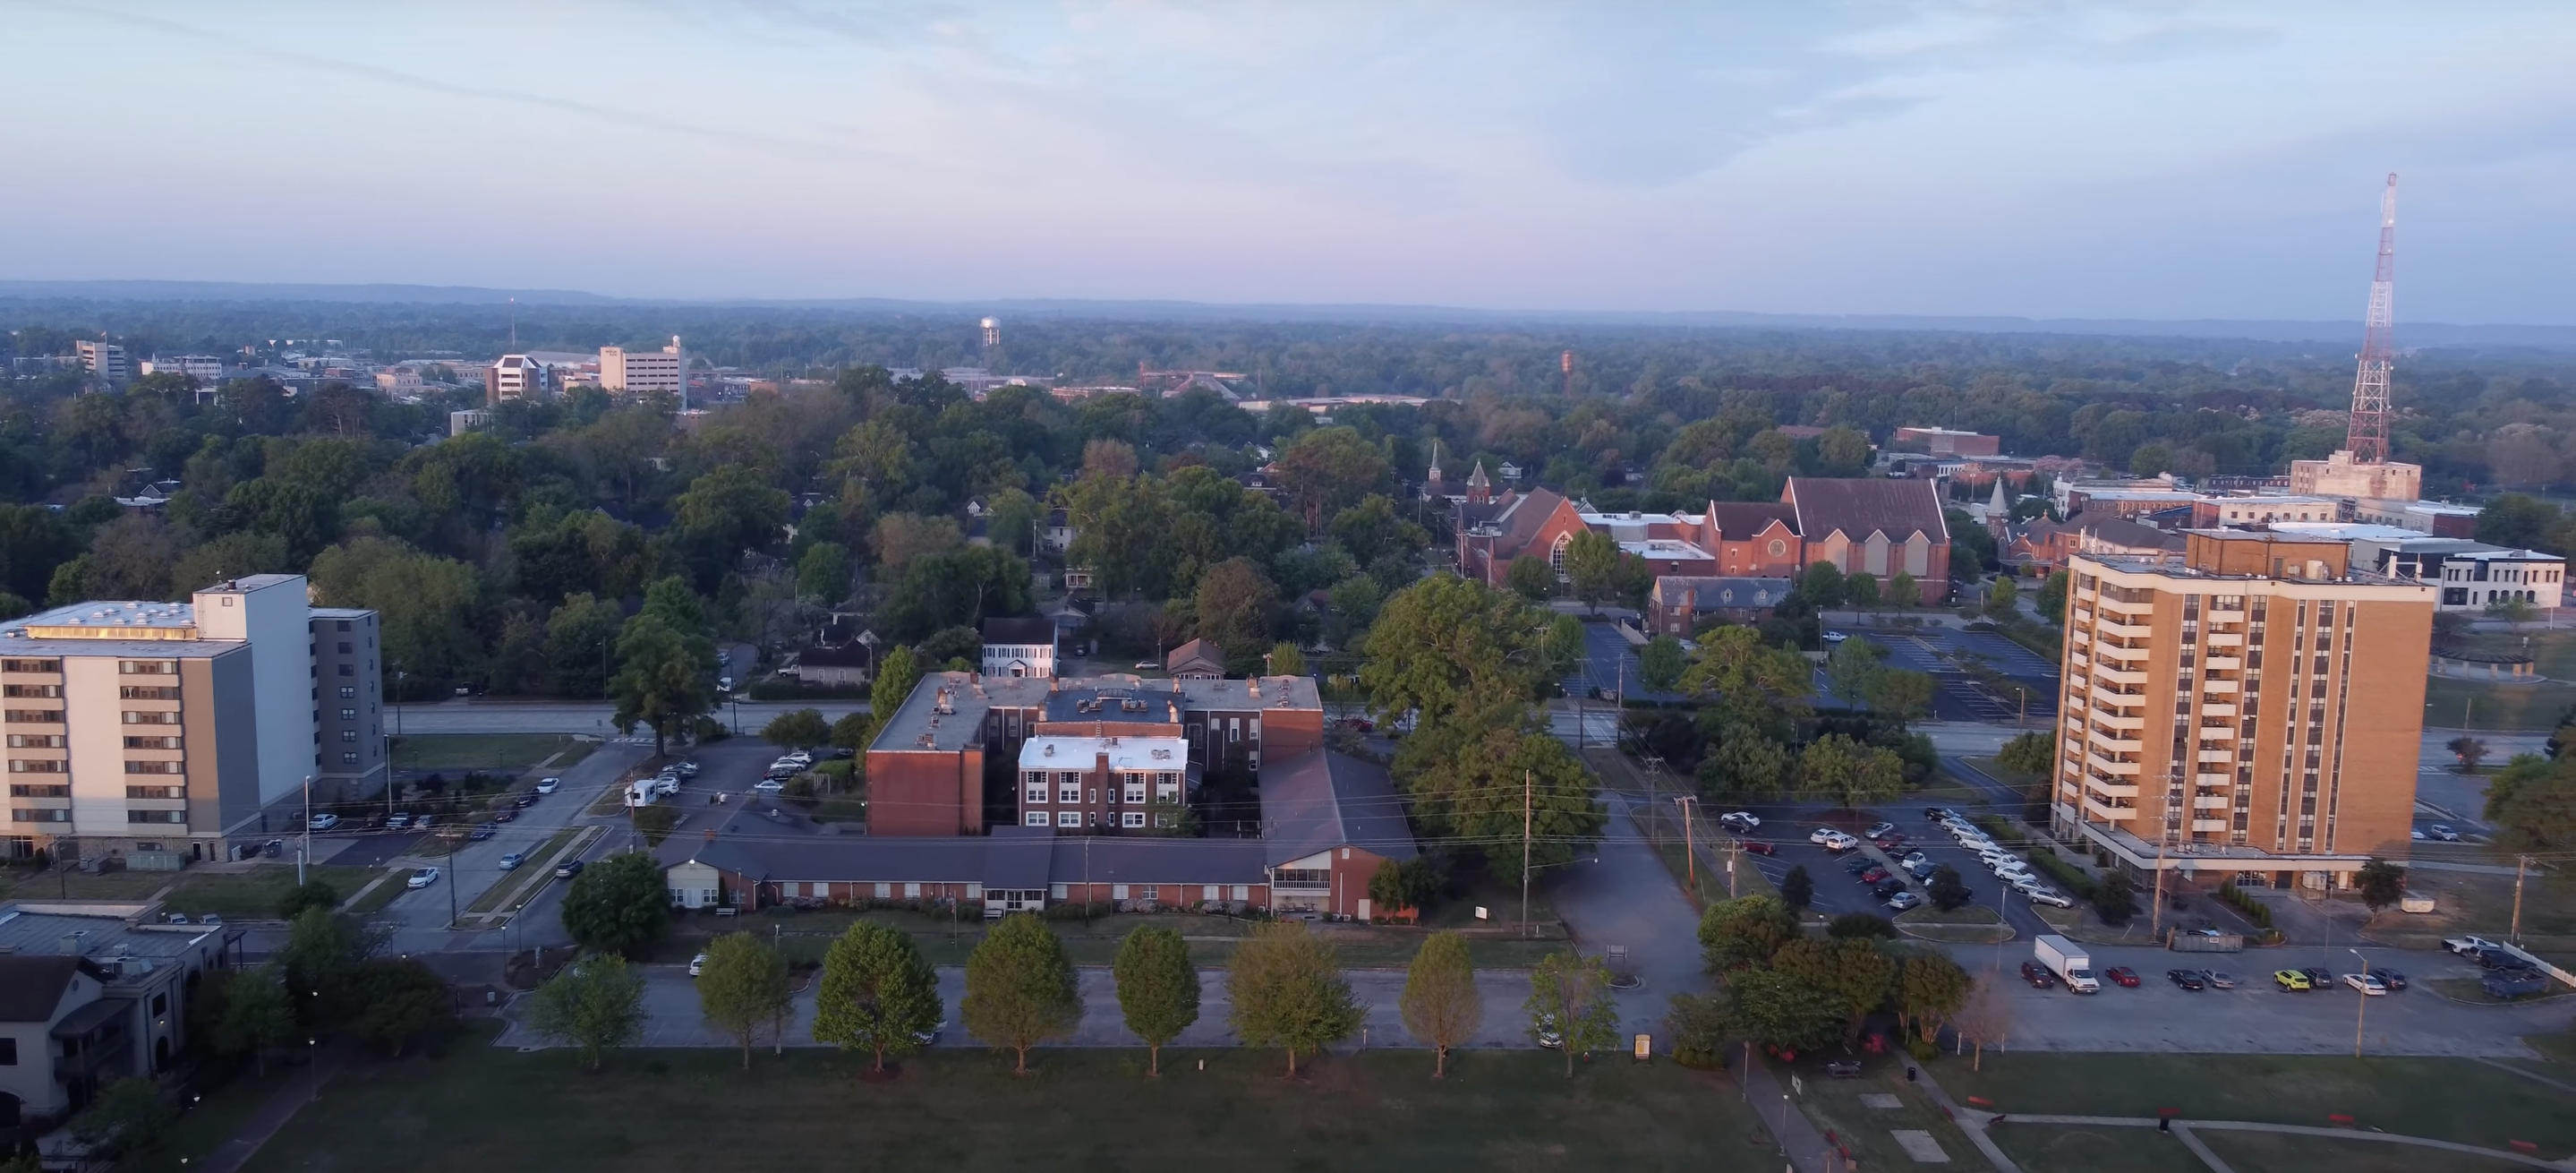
(375, 902)
(2032, 786)
(253, 895)
(487, 751)
(2532, 708)
(537, 869)
(2065, 1148)
(1835, 1105)
(2273, 1152)
(2448, 1099)
(2477, 902)
(210, 1122)
(691, 1111)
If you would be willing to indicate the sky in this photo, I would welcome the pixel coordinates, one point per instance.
(2170, 160)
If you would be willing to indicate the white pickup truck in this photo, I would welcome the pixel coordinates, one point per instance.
(2468, 946)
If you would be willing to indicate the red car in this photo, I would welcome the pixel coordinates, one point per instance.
(1756, 847)
(503, 816)
(1873, 875)
(2123, 975)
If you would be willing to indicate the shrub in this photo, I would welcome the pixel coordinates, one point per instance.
(2076, 882)
(2238, 899)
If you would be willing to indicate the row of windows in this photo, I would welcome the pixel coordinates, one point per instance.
(32, 716)
(1134, 819)
(35, 741)
(146, 692)
(148, 667)
(31, 690)
(31, 665)
(150, 717)
(60, 815)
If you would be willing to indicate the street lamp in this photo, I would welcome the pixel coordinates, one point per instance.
(2361, 1003)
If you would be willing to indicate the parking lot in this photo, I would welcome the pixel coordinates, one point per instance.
(1960, 696)
(1785, 829)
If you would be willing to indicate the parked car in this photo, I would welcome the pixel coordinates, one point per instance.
(1879, 829)
(696, 964)
(1757, 847)
(2186, 979)
(687, 769)
(503, 816)
(2290, 980)
(1841, 843)
(2122, 975)
(2468, 946)
(424, 822)
(1739, 820)
(1914, 857)
(548, 785)
(513, 860)
(1543, 1025)
(482, 832)
(1936, 813)
(2037, 975)
(1859, 864)
(1835, 637)
(568, 869)
(2319, 979)
(1873, 875)
(1822, 835)
(1890, 841)
(395, 821)
(325, 822)
(2443, 832)
(2388, 977)
(1922, 869)
(422, 878)
(1903, 900)
(769, 786)
(800, 757)
(2217, 980)
(2051, 897)
(2369, 986)
(523, 802)
(1888, 888)
(927, 1037)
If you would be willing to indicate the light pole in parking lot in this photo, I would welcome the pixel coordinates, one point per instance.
(2362, 991)
(307, 853)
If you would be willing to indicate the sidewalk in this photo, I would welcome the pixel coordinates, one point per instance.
(280, 1108)
(1787, 1123)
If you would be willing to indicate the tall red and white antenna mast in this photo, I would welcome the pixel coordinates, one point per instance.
(2368, 438)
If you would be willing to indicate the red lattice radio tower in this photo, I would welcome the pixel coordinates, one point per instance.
(2368, 438)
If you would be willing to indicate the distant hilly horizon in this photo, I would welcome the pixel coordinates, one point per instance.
(2411, 334)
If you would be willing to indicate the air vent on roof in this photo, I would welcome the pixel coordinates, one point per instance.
(1047, 751)
(1162, 755)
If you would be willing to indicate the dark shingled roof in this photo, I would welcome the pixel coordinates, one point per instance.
(1019, 859)
(2121, 531)
(1197, 655)
(1019, 631)
(31, 987)
(1320, 800)
(1738, 519)
(1860, 507)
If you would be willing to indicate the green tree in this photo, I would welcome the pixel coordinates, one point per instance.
(1850, 773)
(823, 572)
(1531, 578)
(1744, 932)
(853, 732)
(320, 961)
(1699, 1028)
(1592, 567)
(1901, 693)
(1781, 1010)
(2532, 802)
(1902, 591)
(2382, 883)
(667, 681)
(1285, 660)
(593, 1004)
(1822, 584)
(309, 894)
(1287, 990)
(1328, 470)
(1862, 590)
(1440, 1005)
(2030, 753)
(580, 635)
(744, 984)
(2052, 596)
(1930, 988)
(255, 1017)
(2115, 899)
(801, 729)
(1948, 893)
(1234, 603)
(1860, 924)
(1747, 683)
(1742, 762)
(128, 1117)
(618, 905)
(401, 999)
(1852, 670)
(1852, 969)
(1019, 988)
(2003, 602)
(2517, 520)
(1483, 778)
(1660, 664)
(897, 673)
(1158, 989)
(1797, 888)
(1446, 644)
(1570, 997)
(879, 994)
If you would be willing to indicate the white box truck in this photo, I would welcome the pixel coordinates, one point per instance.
(2066, 959)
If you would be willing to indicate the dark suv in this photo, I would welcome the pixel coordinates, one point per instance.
(2037, 974)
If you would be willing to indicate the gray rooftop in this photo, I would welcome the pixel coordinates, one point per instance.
(946, 711)
(1011, 858)
(1320, 800)
(105, 930)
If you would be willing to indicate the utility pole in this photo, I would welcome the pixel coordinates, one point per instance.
(1525, 850)
(301, 857)
(449, 879)
(2520, 864)
(2156, 913)
(1690, 851)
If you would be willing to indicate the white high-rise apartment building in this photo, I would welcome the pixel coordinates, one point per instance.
(187, 727)
(644, 372)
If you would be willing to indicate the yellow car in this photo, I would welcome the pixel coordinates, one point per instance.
(2290, 979)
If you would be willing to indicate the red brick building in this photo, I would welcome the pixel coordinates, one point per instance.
(1877, 527)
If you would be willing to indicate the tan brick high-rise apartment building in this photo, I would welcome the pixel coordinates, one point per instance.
(2251, 710)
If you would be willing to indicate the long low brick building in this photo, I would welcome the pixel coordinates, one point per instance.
(1329, 820)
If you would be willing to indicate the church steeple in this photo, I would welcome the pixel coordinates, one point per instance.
(1479, 488)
